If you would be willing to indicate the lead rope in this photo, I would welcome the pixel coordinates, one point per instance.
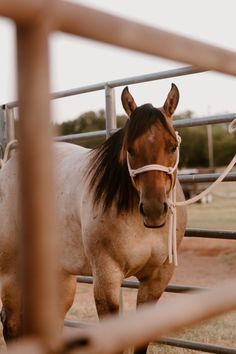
(172, 244)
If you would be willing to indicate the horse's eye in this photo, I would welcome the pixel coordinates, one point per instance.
(131, 151)
(173, 148)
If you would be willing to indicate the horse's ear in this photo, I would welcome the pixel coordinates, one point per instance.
(171, 100)
(128, 101)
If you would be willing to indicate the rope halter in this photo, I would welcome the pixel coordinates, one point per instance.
(172, 247)
(156, 167)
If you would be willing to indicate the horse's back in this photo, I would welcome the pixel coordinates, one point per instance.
(69, 161)
(63, 149)
(71, 184)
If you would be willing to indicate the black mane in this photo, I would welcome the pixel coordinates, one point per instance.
(108, 172)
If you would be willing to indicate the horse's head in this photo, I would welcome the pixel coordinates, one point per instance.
(150, 144)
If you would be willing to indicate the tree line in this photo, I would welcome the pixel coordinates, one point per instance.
(194, 146)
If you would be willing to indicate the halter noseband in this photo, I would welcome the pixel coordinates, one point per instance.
(156, 167)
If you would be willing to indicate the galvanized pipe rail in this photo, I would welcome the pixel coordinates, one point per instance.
(207, 233)
(82, 136)
(176, 342)
(187, 70)
(214, 119)
(192, 122)
(206, 177)
(204, 347)
(134, 284)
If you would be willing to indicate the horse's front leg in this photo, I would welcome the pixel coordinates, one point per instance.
(151, 288)
(107, 282)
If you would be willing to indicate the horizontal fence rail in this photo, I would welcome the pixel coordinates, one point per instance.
(188, 70)
(192, 122)
(176, 342)
(82, 136)
(207, 233)
(134, 284)
(206, 177)
(72, 18)
(204, 347)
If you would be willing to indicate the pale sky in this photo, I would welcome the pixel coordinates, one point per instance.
(76, 62)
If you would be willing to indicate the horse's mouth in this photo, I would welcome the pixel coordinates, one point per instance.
(153, 219)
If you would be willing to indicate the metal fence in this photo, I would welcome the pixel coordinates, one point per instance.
(38, 238)
(197, 178)
(111, 127)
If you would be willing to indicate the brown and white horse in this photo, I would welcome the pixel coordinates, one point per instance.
(110, 225)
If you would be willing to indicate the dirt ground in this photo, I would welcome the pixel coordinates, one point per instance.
(205, 262)
(202, 262)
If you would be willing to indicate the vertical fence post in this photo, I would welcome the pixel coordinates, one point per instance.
(111, 122)
(38, 234)
(7, 128)
(3, 140)
(10, 124)
(4, 129)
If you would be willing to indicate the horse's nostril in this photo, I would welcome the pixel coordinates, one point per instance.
(165, 207)
(141, 209)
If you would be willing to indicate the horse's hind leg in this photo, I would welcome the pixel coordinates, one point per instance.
(67, 293)
(11, 315)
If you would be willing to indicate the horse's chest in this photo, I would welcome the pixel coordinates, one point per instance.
(150, 252)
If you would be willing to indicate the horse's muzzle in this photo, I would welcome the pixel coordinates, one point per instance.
(154, 213)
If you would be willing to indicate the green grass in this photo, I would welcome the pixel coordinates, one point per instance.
(220, 214)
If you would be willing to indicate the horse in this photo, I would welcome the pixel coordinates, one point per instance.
(111, 225)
